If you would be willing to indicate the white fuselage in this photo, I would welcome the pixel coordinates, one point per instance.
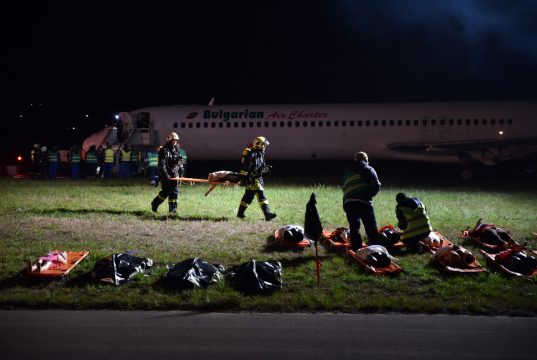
(336, 131)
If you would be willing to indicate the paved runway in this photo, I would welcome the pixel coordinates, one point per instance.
(55, 334)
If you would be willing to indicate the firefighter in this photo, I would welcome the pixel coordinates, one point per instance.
(169, 161)
(251, 176)
(108, 161)
(413, 220)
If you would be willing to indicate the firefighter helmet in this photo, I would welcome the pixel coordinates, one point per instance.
(259, 142)
(172, 136)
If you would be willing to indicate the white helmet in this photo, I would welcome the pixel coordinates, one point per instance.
(259, 142)
(172, 136)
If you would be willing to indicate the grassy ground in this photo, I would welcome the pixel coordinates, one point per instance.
(114, 216)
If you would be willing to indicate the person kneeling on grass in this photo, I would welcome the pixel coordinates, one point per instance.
(413, 221)
(52, 259)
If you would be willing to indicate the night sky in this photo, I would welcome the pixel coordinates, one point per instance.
(76, 64)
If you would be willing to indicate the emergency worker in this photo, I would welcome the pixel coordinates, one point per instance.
(360, 185)
(182, 161)
(35, 154)
(44, 162)
(413, 220)
(91, 162)
(108, 161)
(125, 162)
(74, 161)
(152, 163)
(168, 168)
(251, 176)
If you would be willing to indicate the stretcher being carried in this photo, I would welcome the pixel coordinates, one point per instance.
(514, 261)
(222, 177)
(55, 264)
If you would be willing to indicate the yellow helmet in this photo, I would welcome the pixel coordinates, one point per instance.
(259, 142)
(172, 136)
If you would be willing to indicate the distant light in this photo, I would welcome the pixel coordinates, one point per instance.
(19, 158)
(20, 116)
(117, 117)
(500, 132)
(73, 128)
(87, 115)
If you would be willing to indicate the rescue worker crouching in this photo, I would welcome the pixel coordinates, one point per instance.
(413, 221)
(251, 176)
(169, 163)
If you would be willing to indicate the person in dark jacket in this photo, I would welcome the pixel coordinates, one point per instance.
(360, 185)
(251, 176)
(168, 168)
(413, 220)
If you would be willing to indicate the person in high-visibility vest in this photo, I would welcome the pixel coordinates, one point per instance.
(91, 162)
(413, 221)
(168, 169)
(360, 185)
(74, 161)
(108, 161)
(152, 163)
(53, 157)
(135, 161)
(125, 162)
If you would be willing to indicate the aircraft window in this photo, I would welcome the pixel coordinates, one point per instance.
(343, 123)
(198, 125)
(243, 124)
(305, 123)
(500, 121)
(360, 123)
(350, 124)
(492, 121)
(182, 125)
(251, 124)
(312, 123)
(383, 123)
(424, 122)
(433, 122)
(282, 123)
(190, 125)
(336, 123)
(205, 125)
(484, 121)
(407, 122)
(321, 123)
(399, 122)
(328, 123)
(442, 122)
(259, 124)
(297, 123)
(459, 121)
(367, 123)
(289, 124)
(476, 121)
(451, 122)
(228, 124)
(175, 125)
(510, 121)
(376, 123)
(213, 125)
(468, 122)
(220, 124)
(267, 124)
(274, 124)
(416, 122)
(235, 124)
(392, 123)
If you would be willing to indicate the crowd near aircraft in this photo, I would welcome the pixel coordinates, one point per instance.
(466, 132)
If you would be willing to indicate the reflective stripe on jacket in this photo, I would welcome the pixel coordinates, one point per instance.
(418, 223)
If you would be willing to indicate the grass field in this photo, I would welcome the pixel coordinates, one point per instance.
(114, 216)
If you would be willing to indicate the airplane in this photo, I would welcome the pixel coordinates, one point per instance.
(465, 132)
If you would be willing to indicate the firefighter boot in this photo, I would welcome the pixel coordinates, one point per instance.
(155, 204)
(172, 207)
(240, 213)
(268, 215)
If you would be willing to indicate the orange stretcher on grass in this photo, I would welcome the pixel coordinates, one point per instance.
(441, 258)
(212, 184)
(57, 270)
(495, 259)
(337, 240)
(391, 269)
(435, 241)
(279, 240)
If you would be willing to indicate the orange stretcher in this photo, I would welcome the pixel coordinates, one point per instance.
(391, 269)
(60, 270)
(336, 240)
(465, 234)
(473, 267)
(279, 240)
(432, 247)
(212, 184)
(399, 245)
(494, 260)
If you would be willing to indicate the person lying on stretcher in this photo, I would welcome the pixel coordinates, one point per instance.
(454, 256)
(517, 260)
(223, 176)
(491, 234)
(44, 263)
(375, 256)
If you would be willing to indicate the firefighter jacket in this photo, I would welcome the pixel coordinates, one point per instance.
(413, 219)
(360, 182)
(169, 161)
(252, 166)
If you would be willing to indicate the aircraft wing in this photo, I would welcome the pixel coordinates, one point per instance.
(488, 152)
